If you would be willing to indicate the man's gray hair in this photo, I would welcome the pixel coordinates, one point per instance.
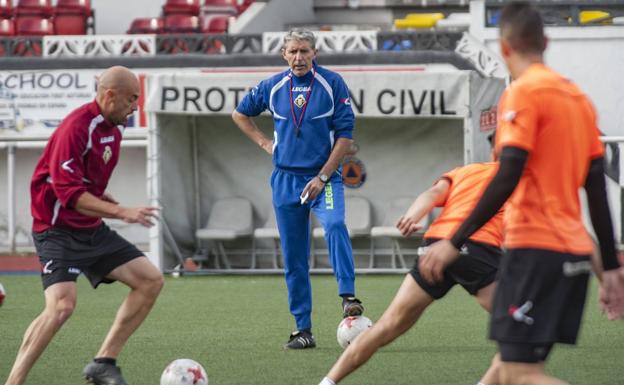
(300, 34)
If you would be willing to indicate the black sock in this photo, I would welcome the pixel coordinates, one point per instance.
(105, 360)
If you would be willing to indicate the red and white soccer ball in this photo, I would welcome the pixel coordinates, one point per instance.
(2, 294)
(351, 327)
(184, 371)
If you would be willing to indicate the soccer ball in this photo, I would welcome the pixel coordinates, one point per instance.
(351, 327)
(184, 372)
(2, 294)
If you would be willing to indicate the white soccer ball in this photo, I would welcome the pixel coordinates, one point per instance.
(184, 372)
(351, 327)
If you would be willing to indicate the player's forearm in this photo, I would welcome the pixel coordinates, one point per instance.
(338, 153)
(600, 214)
(249, 128)
(90, 205)
(422, 205)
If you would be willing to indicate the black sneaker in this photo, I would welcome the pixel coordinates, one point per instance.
(301, 340)
(103, 374)
(351, 307)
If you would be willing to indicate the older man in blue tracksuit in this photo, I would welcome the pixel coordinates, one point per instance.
(313, 129)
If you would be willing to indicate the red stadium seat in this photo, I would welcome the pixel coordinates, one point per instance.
(33, 26)
(6, 8)
(83, 6)
(7, 27)
(220, 6)
(70, 23)
(181, 24)
(74, 17)
(181, 7)
(41, 8)
(244, 5)
(150, 25)
(215, 23)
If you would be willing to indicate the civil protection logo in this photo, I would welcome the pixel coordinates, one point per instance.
(353, 172)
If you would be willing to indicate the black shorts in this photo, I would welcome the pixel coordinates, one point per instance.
(65, 253)
(539, 299)
(473, 271)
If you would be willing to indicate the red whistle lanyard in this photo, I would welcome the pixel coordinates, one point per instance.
(292, 103)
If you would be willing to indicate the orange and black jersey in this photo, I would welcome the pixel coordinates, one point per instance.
(466, 186)
(555, 123)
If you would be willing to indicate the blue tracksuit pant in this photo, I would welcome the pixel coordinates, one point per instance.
(293, 222)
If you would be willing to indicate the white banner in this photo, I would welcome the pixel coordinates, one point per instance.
(397, 91)
(34, 102)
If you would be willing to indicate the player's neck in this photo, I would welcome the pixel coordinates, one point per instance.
(520, 64)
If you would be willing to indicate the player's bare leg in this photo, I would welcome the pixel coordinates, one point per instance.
(484, 298)
(145, 282)
(491, 376)
(60, 301)
(515, 373)
(406, 307)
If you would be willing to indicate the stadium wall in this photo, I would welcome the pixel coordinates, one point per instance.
(404, 151)
(591, 56)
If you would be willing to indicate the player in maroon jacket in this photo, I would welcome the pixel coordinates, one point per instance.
(68, 204)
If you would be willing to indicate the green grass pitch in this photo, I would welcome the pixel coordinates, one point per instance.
(236, 325)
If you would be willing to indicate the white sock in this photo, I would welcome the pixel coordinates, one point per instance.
(327, 381)
(480, 383)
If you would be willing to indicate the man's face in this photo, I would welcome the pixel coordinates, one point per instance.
(299, 55)
(123, 102)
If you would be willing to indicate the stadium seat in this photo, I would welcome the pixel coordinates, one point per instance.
(388, 230)
(69, 22)
(181, 24)
(215, 23)
(269, 231)
(418, 20)
(220, 6)
(74, 17)
(229, 219)
(595, 17)
(150, 25)
(6, 9)
(42, 8)
(7, 27)
(357, 220)
(181, 7)
(455, 20)
(242, 6)
(83, 6)
(33, 26)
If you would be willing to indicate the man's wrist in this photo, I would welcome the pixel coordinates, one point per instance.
(323, 178)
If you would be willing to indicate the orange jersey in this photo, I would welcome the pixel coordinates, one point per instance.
(467, 186)
(552, 119)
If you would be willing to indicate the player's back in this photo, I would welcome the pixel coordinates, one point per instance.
(467, 185)
(553, 120)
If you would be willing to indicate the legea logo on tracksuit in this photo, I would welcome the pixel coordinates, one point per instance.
(329, 197)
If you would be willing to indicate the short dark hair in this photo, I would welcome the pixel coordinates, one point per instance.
(522, 26)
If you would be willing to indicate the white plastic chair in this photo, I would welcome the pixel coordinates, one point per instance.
(357, 220)
(229, 219)
(269, 231)
(388, 230)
